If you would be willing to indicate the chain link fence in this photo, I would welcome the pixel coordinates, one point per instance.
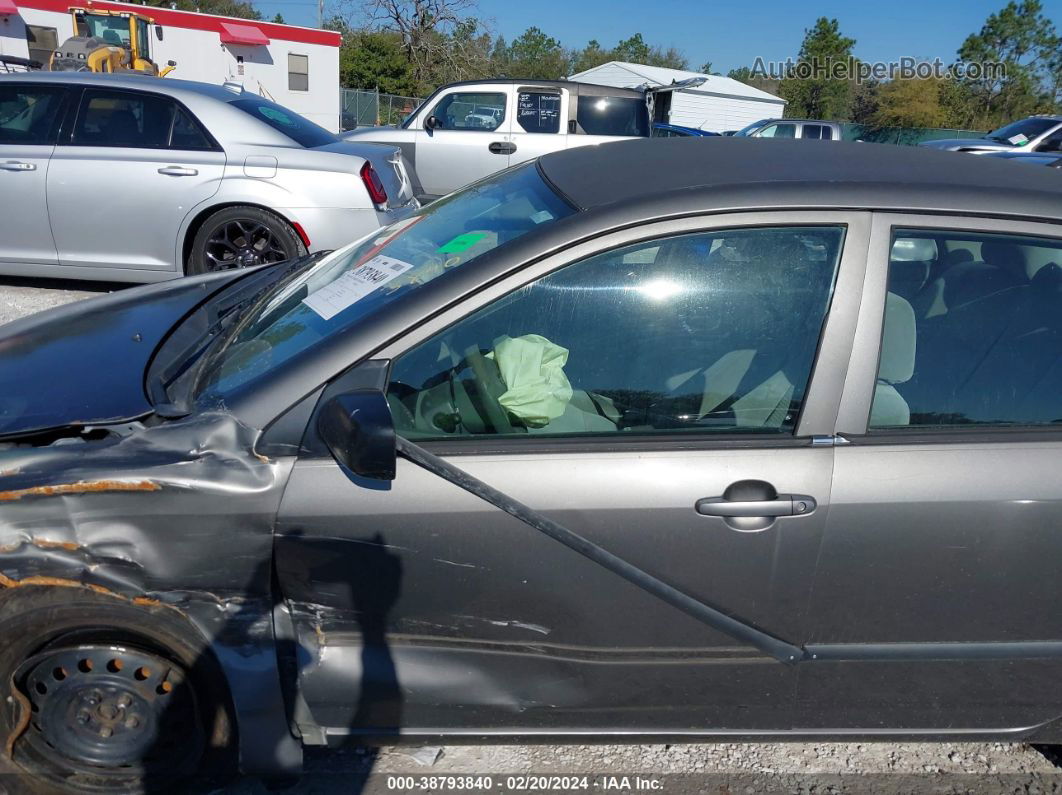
(361, 108)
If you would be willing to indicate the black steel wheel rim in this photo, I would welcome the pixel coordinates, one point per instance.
(110, 709)
(243, 243)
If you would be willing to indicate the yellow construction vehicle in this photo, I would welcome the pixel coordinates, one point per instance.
(108, 41)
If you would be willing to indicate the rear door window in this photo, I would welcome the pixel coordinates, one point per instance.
(978, 345)
(123, 118)
(538, 111)
(603, 115)
(811, 131)
(29, 115)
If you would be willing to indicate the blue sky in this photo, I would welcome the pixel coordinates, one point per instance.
(732, 34)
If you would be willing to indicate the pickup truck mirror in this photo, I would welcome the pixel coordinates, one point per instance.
(432, 122)
(359, 433)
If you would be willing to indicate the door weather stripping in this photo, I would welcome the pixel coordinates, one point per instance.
(716, 619)
(775, 647)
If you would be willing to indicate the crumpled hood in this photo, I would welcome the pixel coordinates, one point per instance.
(83, 363)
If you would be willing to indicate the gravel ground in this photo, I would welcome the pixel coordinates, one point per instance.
(708, 767)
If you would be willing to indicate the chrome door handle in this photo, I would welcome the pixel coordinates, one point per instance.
(750, 506)
(15, 165)
(179, 171)
(785, 505)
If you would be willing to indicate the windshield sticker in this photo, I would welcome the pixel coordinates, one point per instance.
(1018, 139)
(462, 242)
(331, 299)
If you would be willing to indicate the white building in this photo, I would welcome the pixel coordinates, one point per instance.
(293, 66)
(718, 104)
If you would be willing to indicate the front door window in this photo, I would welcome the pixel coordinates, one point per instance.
(712, 332)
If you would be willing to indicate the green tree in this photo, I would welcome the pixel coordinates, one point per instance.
(372, 60)
(811, 86)
(590, 56)
(1025, 42)
(535, 55)
(226, 8)
(278, 19)
(909, 102)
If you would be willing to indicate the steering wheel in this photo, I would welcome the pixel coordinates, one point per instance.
(488, 386)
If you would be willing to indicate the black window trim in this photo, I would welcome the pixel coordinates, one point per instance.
(972, 433)
(65, 95)
(495, 131)
(66, 137)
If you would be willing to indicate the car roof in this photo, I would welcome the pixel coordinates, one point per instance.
(531, 81)
(162, 85)
(674, 175)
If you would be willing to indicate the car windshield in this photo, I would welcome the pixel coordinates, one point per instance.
(302, 131)
(751, 128)
(1021, 132)
(363, 278)
(112, 29)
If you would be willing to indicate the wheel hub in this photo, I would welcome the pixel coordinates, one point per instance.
(105, 705)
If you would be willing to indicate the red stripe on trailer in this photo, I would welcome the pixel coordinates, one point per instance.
(192, 21)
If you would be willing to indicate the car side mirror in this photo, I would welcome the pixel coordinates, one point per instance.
(359, 433)
(432, 122)
(158, 32)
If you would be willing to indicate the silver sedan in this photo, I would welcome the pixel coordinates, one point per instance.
(130, 178)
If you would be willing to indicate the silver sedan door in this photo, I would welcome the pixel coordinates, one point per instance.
(118, 190)
(671, 417)
(29, 119)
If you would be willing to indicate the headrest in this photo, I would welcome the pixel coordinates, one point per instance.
(1005, 255)
(897, 341)
(913, 249)
(958, 256)
(907, 277)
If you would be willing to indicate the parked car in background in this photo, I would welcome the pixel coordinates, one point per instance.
(1051, 159)
(813, 129)
(126, 178)
(661, 130)
(656, 439)
(466, 131)
(1034, 134)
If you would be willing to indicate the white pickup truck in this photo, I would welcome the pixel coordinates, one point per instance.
(465, 131)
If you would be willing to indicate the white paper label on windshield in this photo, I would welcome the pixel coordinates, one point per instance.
(352, 286)
(1018, 139)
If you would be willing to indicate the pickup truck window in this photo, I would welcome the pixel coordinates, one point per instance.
(600, 115)
(476, 111)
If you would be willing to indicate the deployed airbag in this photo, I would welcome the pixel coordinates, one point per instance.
(537, 390)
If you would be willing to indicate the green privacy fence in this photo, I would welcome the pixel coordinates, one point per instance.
(901, 135)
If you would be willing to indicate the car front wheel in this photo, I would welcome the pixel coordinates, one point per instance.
(104, 696)
(240, 237)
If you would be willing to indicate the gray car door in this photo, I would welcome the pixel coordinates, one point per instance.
(29, 119)
(940, 560)
(633, 392)
(133, 168)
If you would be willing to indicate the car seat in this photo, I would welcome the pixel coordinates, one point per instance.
(897, 363)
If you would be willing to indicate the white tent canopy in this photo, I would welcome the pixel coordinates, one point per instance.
(719, 103)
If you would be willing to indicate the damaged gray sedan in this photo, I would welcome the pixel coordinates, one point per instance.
(648, 440)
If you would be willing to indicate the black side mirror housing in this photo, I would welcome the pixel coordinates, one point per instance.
(431, 123)
(158, 32)
(357, 429)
